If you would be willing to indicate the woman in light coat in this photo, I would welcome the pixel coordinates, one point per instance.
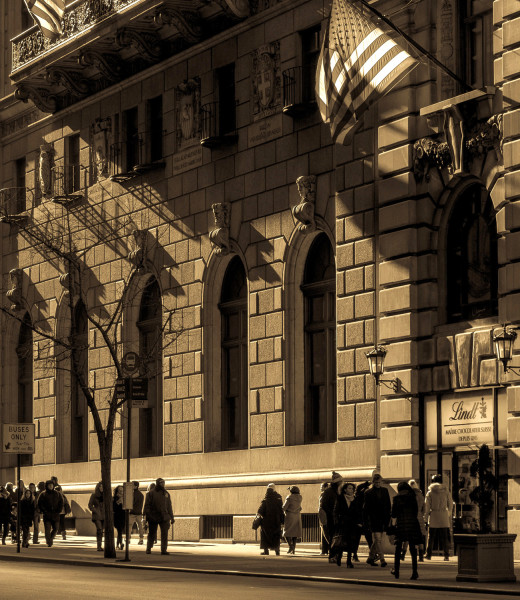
(292, 530)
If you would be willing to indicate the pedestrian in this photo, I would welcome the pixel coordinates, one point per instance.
(271, 511)
(37, 514)
(326, 514)
(26, 516)
(150, 488)
(376, 514)
(97, 507)
(292, 530)
(64, 511)
(420, 517)
(5, 512)
(324, 545)
(347, 522)
(119, 515)
(50, 504)
(10, 490)
(407, 529)
(364, 530)
(20, 490)
(136, 514)
(159, 513)
(438, 512)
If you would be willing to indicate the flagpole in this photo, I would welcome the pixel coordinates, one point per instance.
(417, 46)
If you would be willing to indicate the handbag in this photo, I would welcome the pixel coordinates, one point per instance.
(257, 521)
(338, 542)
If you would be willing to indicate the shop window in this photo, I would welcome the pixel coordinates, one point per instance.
(24, 352)
(233, 310)
(79, 374)
(150, 351)
(318, 288)
(155, 128)
(472, 265)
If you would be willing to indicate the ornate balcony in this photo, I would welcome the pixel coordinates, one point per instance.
(134, 157)
(218, 125)
(14, 202)
(105, 41)
(69, 183)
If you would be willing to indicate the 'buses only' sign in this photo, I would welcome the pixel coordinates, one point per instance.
(18, 438)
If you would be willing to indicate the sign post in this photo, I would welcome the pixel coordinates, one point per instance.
(134, 390)
(18, 438)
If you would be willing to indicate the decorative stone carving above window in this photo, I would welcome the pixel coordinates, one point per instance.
(70, 79)
(14, 293)
(146, 42)
(465, 131)
(43, 98)
(187, 22)
(266, 81)
(304, 210)
(219, 236)
(137, 254)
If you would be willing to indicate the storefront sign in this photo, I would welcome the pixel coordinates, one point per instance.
(467, 419)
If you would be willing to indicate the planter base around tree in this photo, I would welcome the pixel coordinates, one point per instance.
(485, 556)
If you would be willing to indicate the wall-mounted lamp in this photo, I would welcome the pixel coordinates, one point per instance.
(376, 364)
(503, 341)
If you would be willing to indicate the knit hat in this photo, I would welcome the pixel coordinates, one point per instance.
(336, 477)
(271, 486)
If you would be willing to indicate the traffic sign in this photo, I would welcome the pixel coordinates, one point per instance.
(121, 388)
(131, 362)
(18, 438)
(139, 392)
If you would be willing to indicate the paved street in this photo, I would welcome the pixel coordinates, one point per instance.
(58, 582)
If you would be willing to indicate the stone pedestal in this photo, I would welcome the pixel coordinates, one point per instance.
(485, 557)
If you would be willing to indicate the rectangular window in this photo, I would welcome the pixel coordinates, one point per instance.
(310, 41)
(478, 42)
(132, 140)
(20, 202)
(155, 128)
(72, 175)
(226, 99)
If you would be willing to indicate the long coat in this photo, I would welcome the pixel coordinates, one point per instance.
(119, 515)
(376, 509)
(158, 506)
(271, 511)
(96, 505)
(404, 511)
(420, 509)
(293, 518)
(347, 522)
(50, 503)
(27, 512)
(327, 504)
(439, 506)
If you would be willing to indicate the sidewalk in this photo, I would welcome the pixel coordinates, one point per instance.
(245, 560)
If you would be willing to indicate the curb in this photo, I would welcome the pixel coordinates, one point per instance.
(294, 577)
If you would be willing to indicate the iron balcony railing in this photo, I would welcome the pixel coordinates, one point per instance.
(299, 98)
(69, 181)
(218, 124)
(14, 201)
(139, 154)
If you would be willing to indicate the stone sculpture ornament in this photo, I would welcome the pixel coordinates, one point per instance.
(187, 106)
(45, 168)
(14, 293)
(137, 255)
(70, 278)
(219, 236)
(304, 211)
(100, 133)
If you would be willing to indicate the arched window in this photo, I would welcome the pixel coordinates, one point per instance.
(318, 287)
(233, 310)
(472, 265)
(150, 351)
(24, 352)
(79, 375)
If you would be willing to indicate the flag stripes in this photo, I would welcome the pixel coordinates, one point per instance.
(358, 64)
(48, 15)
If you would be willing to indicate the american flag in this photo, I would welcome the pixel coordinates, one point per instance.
(358, 64)
(48, 15)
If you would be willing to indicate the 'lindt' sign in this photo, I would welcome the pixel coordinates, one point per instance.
(467, 421)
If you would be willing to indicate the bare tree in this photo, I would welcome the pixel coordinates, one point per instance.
(66, 239)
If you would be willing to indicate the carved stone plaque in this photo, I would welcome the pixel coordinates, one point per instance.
(264, 131)
(266, 81)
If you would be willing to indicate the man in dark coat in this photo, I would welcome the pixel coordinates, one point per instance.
(159, 513)
(271, 511)
(376, 515)
(326, 514)
(404, 511)
(50, 504)
(37, 515)
(136, 514)
(5, 512)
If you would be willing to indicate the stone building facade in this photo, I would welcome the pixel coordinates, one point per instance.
(181, 144)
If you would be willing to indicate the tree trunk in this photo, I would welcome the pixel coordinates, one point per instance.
(105, 454)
